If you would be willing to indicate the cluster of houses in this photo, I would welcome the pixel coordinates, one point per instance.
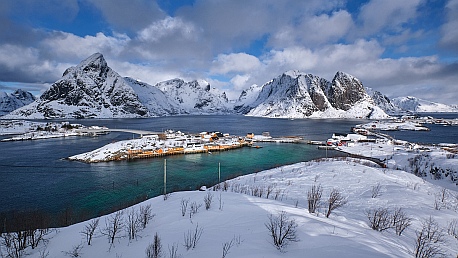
(341, 139)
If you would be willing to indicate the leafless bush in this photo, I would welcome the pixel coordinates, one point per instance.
(145, 215)
(75, 252)
(208, 200)
(270, 189)
(89, 230)
(429, 240)
(154, 250)
(235, 241)
(220, 200)
(452, 228)
(335, 201)
(376, 190)
(379, 219)
(194, 208)
(173, 250)
(400, 220)
(184, 206)
(282, 230)
(314, 198)
(133, 223)
(113, 226)
(192, 237)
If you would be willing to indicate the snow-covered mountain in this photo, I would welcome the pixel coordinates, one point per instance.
(195, 97)
(89, 90)
(414, 104)
(299, 95)
(248, 96)
(383, 102)
(15, 100)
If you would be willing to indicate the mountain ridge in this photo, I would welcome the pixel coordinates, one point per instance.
(92, 89)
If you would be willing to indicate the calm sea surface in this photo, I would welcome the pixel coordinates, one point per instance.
(34, 175)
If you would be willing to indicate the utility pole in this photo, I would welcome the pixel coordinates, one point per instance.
(219, 172)
(165, 177)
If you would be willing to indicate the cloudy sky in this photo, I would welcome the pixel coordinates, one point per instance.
(400, 48)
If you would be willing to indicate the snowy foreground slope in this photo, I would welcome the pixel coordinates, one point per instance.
(241, 217)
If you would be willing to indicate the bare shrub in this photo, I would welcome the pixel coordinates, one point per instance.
(184, 206)
(314, 198)
(113, 226)
(154, 249)
(282, 230)
(133, 223)
(400, 220)
(192, 237)
(376, 190)
(194, 208)
(89, 230)
(145, 215)
(227, 246)
(270, 189)
(173, 250)
(75, 252)
(235, 241)
(335, 201)
(452, 228)
(208, 200)
(379, 219)
(429, 240)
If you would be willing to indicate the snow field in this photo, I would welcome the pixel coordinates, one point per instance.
(242, 217)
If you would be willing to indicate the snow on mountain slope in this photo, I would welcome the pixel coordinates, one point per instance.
(246, 98)
(419, 105)
(15, 100)
(157, 103)
(238, 217)
(299, 95)
(89, 90)
(195, 97)
(383, 102)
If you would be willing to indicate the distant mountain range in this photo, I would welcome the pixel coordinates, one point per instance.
(93, 90)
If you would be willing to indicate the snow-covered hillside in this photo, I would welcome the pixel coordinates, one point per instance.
(15, 100)
(299, 95)
(414, 104)
(235, 223)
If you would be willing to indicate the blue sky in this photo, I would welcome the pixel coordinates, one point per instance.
(400, 48)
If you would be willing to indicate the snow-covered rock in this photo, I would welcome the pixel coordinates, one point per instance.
(15, 100)
(299, 95)
(414, 104)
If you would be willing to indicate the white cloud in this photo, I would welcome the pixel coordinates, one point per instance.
(166, 28)
(314, 30)
(68, 46)
(386, 14)
(449, 29)
(236, 62)
(240, 81)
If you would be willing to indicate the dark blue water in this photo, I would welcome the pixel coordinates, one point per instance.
(34, 175)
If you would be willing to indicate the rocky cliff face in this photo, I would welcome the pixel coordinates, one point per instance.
(12, 101)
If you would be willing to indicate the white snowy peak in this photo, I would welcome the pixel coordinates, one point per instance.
(15, 100)
(195, 97)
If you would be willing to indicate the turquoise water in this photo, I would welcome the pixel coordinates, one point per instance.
(35, 176)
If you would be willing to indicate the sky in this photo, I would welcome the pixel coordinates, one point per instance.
(399, 48)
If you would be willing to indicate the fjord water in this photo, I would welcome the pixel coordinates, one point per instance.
(35, 176)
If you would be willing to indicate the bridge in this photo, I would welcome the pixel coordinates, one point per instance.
(103, 130)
